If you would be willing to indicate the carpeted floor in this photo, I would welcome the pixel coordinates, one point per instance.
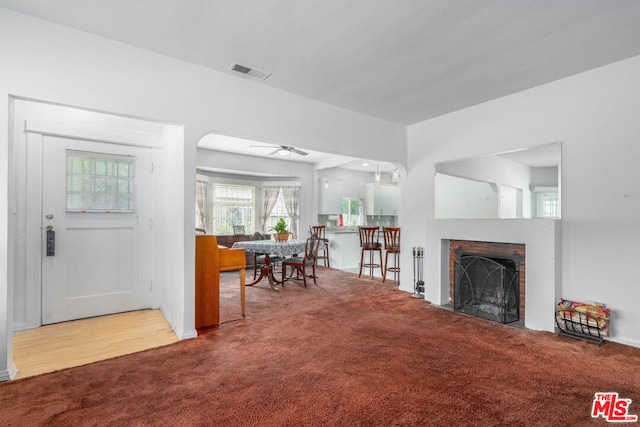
(345, 352)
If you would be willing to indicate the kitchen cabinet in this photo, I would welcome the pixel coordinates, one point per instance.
(344, 250)
(330, 199)
(382, 199)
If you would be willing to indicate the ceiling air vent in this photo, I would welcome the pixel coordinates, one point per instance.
(248, 71)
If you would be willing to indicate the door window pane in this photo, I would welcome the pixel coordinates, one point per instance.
(99, 182)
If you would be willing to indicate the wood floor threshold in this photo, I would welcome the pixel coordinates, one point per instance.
(68, 344)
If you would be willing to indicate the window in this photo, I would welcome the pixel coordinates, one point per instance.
(232, 205)
(99, 182)
(279, 210)
(547, 202)
(350, 211)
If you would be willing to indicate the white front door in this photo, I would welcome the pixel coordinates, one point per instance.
(101, 262)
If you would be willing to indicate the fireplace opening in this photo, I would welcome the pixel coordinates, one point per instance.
(487, 286)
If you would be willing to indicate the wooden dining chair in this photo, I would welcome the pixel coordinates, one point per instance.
(319, 230)
(300, 264)
(258, 259)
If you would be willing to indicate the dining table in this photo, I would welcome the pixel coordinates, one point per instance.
(270, 248)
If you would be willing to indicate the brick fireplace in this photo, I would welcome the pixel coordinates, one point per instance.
(494, 250)
(543, 242)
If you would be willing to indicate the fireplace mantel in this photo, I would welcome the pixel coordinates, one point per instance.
(542, 238)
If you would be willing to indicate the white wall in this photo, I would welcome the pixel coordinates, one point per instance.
(464, 198)
(177, 297)
(45, 61)
(494, 170)
(595, 115)
(545, 177)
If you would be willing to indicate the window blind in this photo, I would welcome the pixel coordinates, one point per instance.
(99, 182)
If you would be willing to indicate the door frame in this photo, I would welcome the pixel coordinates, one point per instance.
(38, 119)
(117, 244)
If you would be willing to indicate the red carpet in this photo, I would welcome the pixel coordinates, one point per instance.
(345, 352)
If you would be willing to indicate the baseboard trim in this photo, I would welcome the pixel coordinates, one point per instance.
(167, 315)
(188, 334)
(9, 373)
(181, 334)
(625, 341)
(20, 326)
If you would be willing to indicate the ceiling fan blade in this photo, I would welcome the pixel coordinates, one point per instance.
(281, 149)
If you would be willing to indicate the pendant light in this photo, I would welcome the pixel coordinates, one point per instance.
(395, 176)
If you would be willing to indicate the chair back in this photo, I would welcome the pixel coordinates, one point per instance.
(318, 230)
(369, 236)
(391, 237)
(311, 248)
(258, 236)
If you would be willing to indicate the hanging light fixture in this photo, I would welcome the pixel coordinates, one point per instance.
(326, 180)
(377, 176)
(395, 176)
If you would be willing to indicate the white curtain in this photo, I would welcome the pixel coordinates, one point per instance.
(270, 199)
(201, 201)
(363, 217)
(291, 197)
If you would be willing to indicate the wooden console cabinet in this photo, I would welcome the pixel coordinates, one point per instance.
(210, 261)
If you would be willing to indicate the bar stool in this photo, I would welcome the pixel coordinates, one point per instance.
(319, 230)
(391, 246)
(370, 242)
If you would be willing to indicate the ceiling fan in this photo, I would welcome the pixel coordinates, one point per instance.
(282, 149)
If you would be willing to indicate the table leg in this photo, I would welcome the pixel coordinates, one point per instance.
(266, 270)
(273, 282)
(242, 285)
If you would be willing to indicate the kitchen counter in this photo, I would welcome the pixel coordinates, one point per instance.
(341, 230)
(344, 249)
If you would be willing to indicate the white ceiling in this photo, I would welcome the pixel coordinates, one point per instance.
(403, 61)
(320, 160)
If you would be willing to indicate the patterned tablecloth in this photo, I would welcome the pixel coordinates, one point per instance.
(271, 247)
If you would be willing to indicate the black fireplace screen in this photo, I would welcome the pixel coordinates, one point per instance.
(487, 287)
